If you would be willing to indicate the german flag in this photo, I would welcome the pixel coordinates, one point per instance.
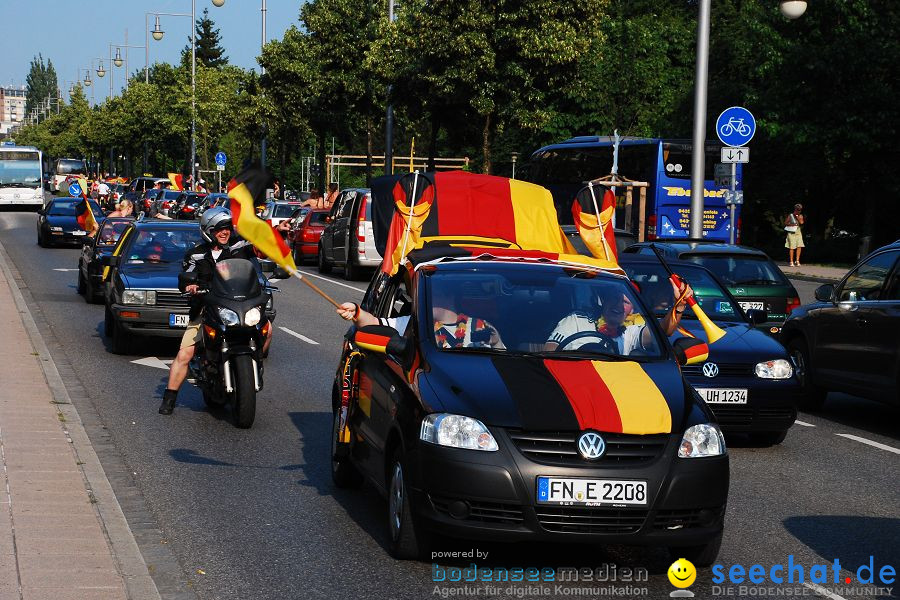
(375, 338)
(460, 205)
(245, 190)
(566, 395)
(177, 180)
(85, 216)
(696, 354)
(594, 221)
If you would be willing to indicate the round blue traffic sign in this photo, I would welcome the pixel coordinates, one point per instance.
(74, 190)
(735, 126)
(221, 159)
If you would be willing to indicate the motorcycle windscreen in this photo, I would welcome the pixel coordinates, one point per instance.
(236, 278)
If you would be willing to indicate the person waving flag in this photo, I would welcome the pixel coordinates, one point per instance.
(84, 214)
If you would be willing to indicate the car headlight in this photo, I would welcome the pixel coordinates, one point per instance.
(701, 440)
(52, 228)
(774, 369)
(134, 297)
(151, 296)
(252, 317)
(456, 431)
(228, 316)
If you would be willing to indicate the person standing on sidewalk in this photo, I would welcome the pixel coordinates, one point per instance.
(794, 242)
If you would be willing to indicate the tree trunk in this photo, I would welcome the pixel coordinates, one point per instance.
(369, 136)
(486, 145)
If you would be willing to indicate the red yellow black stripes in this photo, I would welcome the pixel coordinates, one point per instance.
(244, 190)
(696, 354)
(375, 341)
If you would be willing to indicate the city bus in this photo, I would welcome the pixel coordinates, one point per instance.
(665, 165)
(63, 168)
(21, 176)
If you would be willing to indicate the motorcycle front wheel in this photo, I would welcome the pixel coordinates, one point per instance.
(244, 404)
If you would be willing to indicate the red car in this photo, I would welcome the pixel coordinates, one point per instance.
(304, 236)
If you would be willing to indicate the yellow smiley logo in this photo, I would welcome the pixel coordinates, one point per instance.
(682, 573)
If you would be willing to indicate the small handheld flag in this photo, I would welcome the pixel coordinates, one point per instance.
(594, 223)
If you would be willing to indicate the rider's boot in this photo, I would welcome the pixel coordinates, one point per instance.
(168, 402)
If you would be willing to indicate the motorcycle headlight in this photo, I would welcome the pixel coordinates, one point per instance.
(774, 369)
(134, 297)
(701, 440)
(456, 431)
(252, 317)
(228, 316)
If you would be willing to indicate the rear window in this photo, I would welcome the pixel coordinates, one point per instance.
(171, 194)
(741, 270)
(283, 211)
(318, 218)
(69, 166)
(67, 209)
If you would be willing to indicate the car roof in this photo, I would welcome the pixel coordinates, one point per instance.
(704, 247)
(166, 224)
(626, 259)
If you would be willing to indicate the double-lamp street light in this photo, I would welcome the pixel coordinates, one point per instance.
(792, 9)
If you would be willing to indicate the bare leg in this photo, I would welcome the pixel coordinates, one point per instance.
(790, 255)
(268, 342)
(798, 256)
(179, 369)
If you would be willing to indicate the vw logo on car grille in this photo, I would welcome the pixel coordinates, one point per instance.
(710, 369)
(591, 445)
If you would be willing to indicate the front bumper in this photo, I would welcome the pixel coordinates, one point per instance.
(65, 237)
(152, 320)
(771, 404)
(492, 495)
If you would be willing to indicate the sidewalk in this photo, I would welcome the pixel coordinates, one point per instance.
(822, 273)
(53, 541)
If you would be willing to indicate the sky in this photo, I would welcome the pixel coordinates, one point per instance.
(74, 34)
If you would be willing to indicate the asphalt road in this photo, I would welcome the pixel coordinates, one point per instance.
(253, 514)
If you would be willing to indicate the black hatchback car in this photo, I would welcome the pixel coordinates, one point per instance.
(57, 224)
(90, 267)
(500, 438)
(142, 296)
(848, 340)
(748, 379)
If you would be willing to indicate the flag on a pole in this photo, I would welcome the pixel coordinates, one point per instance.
(245, 190)
(84, 215)
(593, 219)
(177, 180)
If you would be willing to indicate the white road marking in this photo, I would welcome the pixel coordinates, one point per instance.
(65, 270)
(152, 361)
(299, 335)
(804, 423)
(822, 591)
(870, 442)
(328, 279)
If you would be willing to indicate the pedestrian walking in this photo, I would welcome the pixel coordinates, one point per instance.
(793, 223)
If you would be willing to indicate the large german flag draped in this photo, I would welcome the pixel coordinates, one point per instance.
(248, 188)
(177, 181)
(567, 395)
(84, 216)
(474, 210)
(593, 219)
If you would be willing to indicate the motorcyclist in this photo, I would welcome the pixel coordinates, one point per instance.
(216, 228)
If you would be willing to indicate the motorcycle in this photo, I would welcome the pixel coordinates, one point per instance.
(227, 366)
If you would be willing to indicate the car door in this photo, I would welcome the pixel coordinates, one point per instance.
(846, 352)
(327, 239)
(341, 225)
(882, 316)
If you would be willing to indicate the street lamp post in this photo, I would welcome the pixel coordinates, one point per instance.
(515, 157)
(389, 116)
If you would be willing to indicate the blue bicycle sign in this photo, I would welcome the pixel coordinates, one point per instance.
(735, 126)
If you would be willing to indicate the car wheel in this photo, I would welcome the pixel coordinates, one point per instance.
(324, 266)
(121, 344)
(812, 397)
(769, 438)
(702, 556)
(81, 285)
(351, 271)
(108, 323)
(298, 257)
(406, 540)
(343, 472)
(42, 241)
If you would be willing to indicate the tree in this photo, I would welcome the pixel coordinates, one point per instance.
(41, 82)
(209, 44)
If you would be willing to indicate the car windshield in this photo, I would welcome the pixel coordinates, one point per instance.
(540, 310)
(110, 232)
(67, 209)
(735, 269)
(68, 166)
(158, 246)
(656, 291)
(283, 211)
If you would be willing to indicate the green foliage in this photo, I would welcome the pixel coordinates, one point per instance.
(40, 83)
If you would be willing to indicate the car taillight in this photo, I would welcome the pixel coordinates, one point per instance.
(361, 220)
(792, 303)
(651, 227)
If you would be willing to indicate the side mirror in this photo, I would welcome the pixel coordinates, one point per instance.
(757, 316)
(381, 339)
(690, 351)
(824, 293)
(267, 266)
(109, 260)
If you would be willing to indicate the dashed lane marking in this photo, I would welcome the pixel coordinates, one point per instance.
(328, 279)
(299, 335)
(823, 591)
(152, 361)
(870, 442)
(65, 270)
(804, 423)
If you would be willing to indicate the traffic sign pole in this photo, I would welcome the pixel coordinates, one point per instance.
(733, 178)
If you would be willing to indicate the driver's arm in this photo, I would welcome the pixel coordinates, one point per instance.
(566, 327)
(673, 317)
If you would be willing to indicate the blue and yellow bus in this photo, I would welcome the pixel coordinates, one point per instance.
(665, 165)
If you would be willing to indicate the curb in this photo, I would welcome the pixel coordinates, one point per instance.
(811, 278)
(139, 585)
